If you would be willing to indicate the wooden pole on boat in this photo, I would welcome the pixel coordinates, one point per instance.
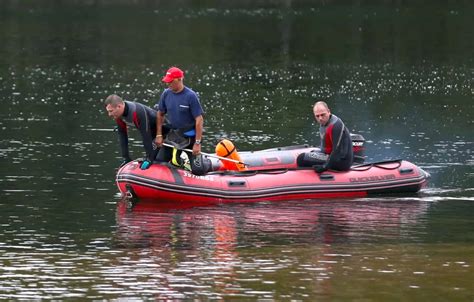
(209, 155)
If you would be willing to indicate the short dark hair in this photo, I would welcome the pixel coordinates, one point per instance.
(113, 99)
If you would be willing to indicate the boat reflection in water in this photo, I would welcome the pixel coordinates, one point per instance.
(309, 221)
(225, 248)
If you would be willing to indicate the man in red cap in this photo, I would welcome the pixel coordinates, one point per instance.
(184, 115)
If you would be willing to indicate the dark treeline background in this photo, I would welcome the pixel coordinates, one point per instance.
(113, 32)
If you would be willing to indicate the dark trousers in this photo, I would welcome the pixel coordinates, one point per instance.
(310, 159)
(166, 153)
(318, 159)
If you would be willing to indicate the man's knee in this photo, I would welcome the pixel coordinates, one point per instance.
(309, 159)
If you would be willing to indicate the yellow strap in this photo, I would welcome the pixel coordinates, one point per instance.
(174, 159)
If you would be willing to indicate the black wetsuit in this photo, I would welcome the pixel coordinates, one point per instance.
(336, 148)
(144, 119)
(337, 143)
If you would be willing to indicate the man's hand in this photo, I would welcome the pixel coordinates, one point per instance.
(124, 162)
(196, 149)
(319, 168)
(159, 140)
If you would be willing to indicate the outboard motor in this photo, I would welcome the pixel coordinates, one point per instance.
(358, 147)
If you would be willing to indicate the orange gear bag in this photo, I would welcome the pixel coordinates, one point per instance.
(225, 148)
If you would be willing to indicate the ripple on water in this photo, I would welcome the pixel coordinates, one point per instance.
(228, 251)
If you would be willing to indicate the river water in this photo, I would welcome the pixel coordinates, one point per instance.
(399, 74)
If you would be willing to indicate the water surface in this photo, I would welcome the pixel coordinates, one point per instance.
(399, 74)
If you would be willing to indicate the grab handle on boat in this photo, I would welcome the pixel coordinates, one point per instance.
(236, 183)
(326, 176)
(405, 170)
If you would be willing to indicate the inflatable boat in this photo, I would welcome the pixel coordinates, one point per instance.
(272, 175)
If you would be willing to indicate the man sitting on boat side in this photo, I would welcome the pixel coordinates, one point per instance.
(133, 114)
(181, 106)
(336, 143)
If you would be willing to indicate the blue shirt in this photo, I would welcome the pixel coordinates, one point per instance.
(181, 108)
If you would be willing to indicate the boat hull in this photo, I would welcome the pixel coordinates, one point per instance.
(167, 183)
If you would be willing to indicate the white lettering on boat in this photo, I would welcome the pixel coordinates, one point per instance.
(372, 178)
(203, 177)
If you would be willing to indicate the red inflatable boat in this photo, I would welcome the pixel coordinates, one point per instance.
(272, 176)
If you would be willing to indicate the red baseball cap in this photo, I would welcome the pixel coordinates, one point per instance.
(171, 74)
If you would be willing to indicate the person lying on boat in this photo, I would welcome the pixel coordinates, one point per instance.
(336, 145)
(133, 114)
(181, 106)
